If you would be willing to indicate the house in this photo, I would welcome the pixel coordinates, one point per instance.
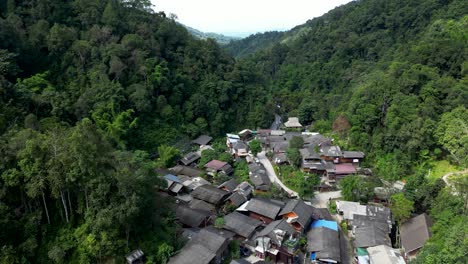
(245, 189)
(359, 215)
(135, 257)
(243, 226)
(210, 194)
(259, 177)
(201, 205)
(209, 246)
(344, 169)
(186, 170)
(189, 159)
(231, 139)
(192, 184)
(383, 254)
(298, 214)
(193, 217)
(246, 134)
(311, 162)
(281, 158)
(202, 140)
(349, 209)
(323, 245)
(316, 140)
(370, 236)
(240, 149)
(278, 241)
(330, 153)
(293, 122)
(216, 166)
(265, 210)
(236, 199)
(229, 185)
(279, 147)
(414, 233)
(354, 157)
(174, 185)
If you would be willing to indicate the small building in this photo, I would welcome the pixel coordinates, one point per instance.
(210, 194)
(187, 171)
(236, 199)
(330, 153)
(414, 233)
(202, 140)
(193, 217)
(280, 158)
(298, 214)
(229, 185)
(323, 245)
(174, 185)
(245, 189)
(192, 184)
(311, 162)
(279, 147)
(293, 122)
(259, 177)
(216, 166)
(265, 210)
(354, 157)
(277, 132)
(231, 139)
(383, 254)
(278, 241)
(370, 236)
(209, 246)
(201, 205)
(243, 226)
(189, 159)
(135, 257)
(240, 149)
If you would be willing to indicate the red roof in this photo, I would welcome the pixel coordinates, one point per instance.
(345, 168)
(215, 164)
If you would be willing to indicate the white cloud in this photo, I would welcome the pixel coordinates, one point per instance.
(234, 16)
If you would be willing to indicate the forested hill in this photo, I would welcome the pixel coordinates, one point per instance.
(90, 88)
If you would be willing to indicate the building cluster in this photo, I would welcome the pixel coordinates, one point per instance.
(216, 217)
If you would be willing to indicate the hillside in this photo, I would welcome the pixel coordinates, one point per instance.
(92, 91)
(220, 38)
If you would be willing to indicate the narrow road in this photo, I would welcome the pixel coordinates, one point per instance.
(320, 200)
(272, 175)
(448, 183)
(277, 123)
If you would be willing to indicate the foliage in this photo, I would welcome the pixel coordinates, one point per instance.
(296, 142)
(294, 156)
(219, 222)
(354, 188)
(452, 134)
(168, 156)
(255, 146)
(401, 207)
(298, 181)
(332, 207)
(241, 171)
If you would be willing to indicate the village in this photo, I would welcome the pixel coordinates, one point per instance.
(243, 210)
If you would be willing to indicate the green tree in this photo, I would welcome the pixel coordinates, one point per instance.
(294, 157)
(168, 156)
(296, 142)
(255, 146)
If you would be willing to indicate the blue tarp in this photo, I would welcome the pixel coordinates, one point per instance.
(312, 256)
(328, 224)
(171, 177)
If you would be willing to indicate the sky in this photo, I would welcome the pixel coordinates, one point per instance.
(244, 17)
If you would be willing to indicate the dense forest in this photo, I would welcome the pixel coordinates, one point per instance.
(91, 89)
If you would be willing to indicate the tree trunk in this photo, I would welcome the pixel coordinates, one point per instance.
(64, 205)
(86, 197)
(69, 203)
(45, 206)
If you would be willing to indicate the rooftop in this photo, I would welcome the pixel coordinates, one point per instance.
(240, 224)
(202, 140)
(215, 164)
(292, 122)
(210, 194)
(264, 207)
(415, 232)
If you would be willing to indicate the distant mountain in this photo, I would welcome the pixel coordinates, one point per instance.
(220, 38)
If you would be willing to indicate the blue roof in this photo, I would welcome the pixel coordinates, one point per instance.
(324, 223)
(171, 177)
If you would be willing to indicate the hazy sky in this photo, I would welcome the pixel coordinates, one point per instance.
(239, 17)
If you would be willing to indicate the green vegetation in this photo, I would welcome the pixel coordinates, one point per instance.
(255, 146)
(355, 188)
(440, 168)
(303, 183)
